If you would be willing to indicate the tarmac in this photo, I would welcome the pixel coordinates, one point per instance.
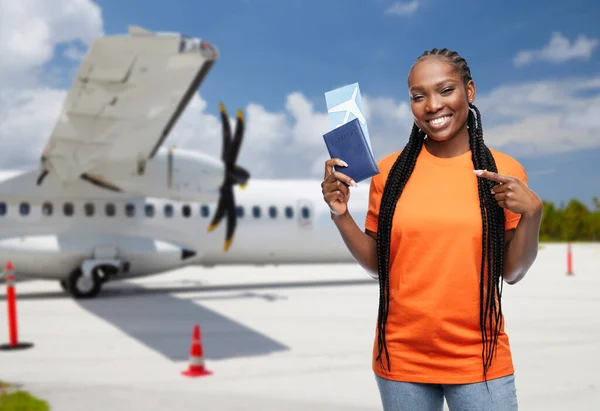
(280, 338)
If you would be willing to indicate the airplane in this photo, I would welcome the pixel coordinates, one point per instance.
(350, 107)
(110, 202)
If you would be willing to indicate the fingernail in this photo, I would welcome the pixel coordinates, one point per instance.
(344, 163)
(478, 172)
(353, 183)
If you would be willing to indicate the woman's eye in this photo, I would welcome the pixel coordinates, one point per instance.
(447, 90)
(416, 98)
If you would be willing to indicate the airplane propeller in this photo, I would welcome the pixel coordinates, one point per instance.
(233, 175)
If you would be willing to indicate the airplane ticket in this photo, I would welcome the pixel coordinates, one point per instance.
(343, 105)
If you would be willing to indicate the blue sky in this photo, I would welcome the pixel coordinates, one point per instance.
(271, 48)
(536, 65)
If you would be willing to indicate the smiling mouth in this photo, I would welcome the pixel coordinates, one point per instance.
(439, 122)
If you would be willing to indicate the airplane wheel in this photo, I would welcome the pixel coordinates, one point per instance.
(81, 286)
(63, 285)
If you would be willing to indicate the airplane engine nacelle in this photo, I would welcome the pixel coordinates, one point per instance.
(56, 256)
(191, 175)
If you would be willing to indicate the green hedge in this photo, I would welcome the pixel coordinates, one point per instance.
(571, 222)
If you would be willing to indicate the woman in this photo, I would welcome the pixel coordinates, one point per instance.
(448, 221)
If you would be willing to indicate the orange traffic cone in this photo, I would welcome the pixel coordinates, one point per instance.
(196, 366)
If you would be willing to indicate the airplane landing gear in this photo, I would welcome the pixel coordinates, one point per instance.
(86, 281)
(83, 286)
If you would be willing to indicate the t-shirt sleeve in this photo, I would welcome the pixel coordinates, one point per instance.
(512, 219)
(375, 192)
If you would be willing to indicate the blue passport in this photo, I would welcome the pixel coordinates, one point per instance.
(349, 143)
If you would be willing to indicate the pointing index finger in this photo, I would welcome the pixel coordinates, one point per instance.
(490, 175)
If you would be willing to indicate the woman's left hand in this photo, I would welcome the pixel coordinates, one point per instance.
(512, 194)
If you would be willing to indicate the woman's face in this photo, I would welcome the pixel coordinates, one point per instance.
(439, 99)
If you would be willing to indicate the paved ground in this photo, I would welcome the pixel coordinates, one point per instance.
(287, 338)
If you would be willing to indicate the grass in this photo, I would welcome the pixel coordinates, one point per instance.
(19, 400)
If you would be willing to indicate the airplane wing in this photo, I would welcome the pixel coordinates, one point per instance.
(127, 95)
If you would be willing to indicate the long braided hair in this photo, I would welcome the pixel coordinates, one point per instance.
(492, 218)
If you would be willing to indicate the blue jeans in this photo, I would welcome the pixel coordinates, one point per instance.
(499, 395)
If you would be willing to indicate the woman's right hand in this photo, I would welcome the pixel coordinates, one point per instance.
(335, 193)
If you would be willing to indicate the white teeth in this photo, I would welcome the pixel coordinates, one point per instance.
(439, 121)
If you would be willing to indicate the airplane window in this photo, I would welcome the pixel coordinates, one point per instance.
(24, 209)
(68, 209)
(110, 209)
(256, 211)
(89, 209)
(240, 211)
(168, 210)
(47, 209)
(186, 211)
(130, 210)
(204, 211)
(3, 208)
(305, 212)
(289, 212)
(273, 212)
(149, 210)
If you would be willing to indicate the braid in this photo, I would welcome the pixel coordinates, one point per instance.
(399, 175)
(492, 219)
(454, 58)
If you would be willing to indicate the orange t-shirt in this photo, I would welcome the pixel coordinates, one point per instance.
(433, 333)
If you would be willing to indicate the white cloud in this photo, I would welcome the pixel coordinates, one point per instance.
(197, 129)
(265, 128)
(309, 126)
(543, 117)
(586, 118)
(74, 53)
(30, 30)
(558, 50)
(403, 8)
(289, 143)
(29, 33)
(26, 119)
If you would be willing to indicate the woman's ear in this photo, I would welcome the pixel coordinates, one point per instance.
(471, 91)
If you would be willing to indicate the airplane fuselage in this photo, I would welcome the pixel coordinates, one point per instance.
(49, 231)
